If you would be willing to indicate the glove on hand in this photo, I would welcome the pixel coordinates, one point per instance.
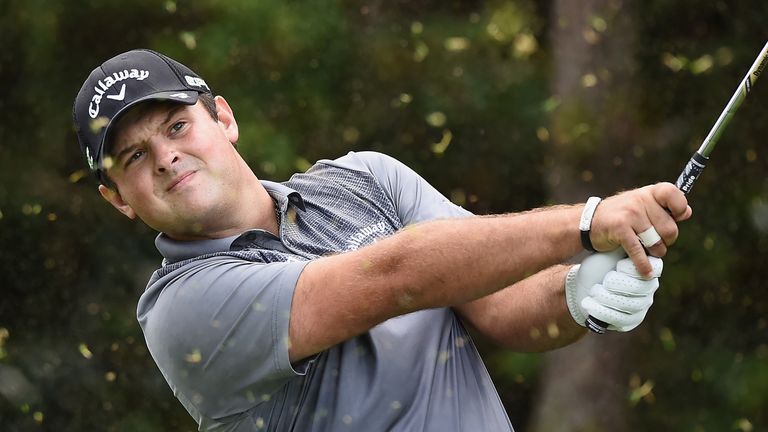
(609, 287)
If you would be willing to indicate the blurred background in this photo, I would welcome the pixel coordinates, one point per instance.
(502, 105)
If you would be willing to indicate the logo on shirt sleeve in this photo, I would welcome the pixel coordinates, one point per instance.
(367, 235)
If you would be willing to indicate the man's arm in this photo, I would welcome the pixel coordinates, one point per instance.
(452, 262)
(434, 264)
(530, 315)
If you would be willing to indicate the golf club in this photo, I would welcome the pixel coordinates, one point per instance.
(696, 164)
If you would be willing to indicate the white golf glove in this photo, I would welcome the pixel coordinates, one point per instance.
(609, 287)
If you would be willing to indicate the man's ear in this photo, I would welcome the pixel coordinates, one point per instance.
(227, 119)
(114, 198)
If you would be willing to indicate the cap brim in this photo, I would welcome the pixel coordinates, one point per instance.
(188, 97)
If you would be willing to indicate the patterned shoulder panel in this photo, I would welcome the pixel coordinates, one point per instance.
(345, 209)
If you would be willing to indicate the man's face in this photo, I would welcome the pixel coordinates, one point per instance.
(175, 168)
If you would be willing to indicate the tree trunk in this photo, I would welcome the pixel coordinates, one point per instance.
(585, 387)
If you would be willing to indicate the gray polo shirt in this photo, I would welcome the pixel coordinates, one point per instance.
(215, 318)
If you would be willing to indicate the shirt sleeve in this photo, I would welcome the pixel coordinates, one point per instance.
(414, 198)
(218, 330)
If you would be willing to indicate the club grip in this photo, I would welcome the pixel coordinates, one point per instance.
(596, 325)
(685, 182)
(691, 172)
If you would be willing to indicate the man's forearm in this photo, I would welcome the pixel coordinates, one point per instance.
(434, 264)
(451, 262)
(530, 315)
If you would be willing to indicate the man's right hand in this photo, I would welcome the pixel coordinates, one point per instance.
(619, 219)
(611, 289)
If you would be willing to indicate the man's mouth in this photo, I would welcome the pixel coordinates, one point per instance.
(180, 180)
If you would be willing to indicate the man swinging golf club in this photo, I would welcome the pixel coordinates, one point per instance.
(339, 299)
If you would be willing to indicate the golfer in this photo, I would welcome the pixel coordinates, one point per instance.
(340, 299)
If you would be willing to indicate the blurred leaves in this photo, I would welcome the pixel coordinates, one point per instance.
(459, 91)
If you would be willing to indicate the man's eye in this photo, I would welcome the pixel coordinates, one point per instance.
(177, 126)
(136, 155)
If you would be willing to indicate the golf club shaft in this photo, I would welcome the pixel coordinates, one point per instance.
(696, 164)
(698, 161)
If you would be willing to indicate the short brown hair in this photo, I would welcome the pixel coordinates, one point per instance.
(210, 105)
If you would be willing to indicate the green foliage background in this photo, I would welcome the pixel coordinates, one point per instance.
(460, 91)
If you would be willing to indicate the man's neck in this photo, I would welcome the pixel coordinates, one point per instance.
(255, 209)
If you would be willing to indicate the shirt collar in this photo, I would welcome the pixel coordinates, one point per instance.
(175, 250)
(284, 195)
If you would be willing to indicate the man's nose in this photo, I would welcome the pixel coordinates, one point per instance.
(166, 155)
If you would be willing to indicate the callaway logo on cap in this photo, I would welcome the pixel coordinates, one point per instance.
(122, 82)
